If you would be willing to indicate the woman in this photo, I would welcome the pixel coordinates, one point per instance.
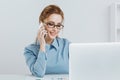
(50, 53)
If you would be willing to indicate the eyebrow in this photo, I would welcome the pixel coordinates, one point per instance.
(54, 22)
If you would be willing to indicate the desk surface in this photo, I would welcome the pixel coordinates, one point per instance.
(30, 77)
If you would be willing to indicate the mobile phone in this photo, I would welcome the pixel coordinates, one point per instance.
(41, 24)
(45, 34)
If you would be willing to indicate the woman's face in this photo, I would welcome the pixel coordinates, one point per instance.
(52, 25)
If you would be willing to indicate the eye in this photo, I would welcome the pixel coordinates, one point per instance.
(58, 26)
(50, 24)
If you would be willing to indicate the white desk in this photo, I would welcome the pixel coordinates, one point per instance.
(30, 77)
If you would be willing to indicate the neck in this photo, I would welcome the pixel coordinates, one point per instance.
(48, 40)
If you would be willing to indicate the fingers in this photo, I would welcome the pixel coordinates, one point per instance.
(43, 33)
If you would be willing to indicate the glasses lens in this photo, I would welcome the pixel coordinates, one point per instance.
(59, 26)
(50, 24)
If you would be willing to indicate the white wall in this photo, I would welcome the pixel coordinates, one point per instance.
(85, 21)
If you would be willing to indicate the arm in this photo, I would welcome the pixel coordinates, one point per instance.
(36, 63)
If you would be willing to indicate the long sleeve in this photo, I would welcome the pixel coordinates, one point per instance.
(35, 61)
(54, 61)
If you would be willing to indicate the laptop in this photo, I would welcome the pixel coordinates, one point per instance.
(94, 61)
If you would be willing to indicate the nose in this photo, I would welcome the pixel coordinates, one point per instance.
(55, 28)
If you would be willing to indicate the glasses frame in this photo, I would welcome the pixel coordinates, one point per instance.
(54, 26)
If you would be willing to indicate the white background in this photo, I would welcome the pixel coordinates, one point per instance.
(85, 21)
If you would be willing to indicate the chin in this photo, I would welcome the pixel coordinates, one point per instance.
(52, 37)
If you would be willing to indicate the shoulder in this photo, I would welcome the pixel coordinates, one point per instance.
(31, 49)
(32, 46)
(63, 41)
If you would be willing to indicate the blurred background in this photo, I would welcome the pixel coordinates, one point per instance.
(85, 21)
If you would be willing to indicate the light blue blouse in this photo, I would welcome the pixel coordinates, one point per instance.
(54, 61)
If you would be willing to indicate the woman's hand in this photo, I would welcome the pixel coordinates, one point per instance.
(41, 37)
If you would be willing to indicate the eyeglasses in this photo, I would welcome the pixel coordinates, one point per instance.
(52, 25)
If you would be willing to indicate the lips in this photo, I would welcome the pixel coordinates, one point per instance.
(52, 33)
